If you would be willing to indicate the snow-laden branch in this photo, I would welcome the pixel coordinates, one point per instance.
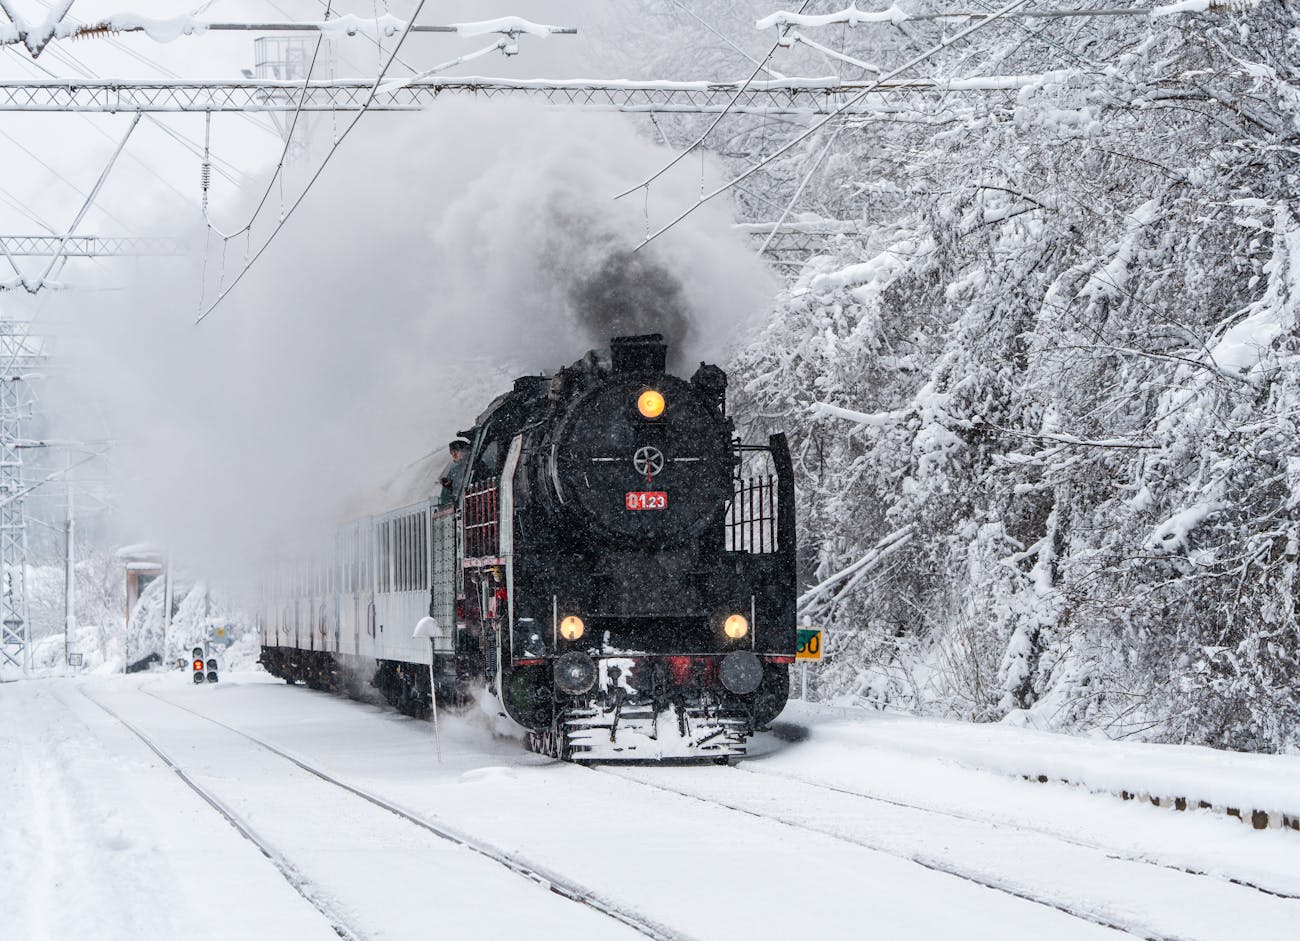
(877, 554)
(871, 420)
(851, 16)
(1068, 440)
(1171, 535)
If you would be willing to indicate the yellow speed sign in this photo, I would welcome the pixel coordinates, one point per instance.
(809, 644)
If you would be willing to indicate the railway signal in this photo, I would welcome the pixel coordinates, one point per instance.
(205, 669)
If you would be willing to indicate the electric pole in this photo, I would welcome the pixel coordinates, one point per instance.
(18, 353)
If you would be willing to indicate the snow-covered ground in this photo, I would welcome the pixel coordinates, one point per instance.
(839, 824)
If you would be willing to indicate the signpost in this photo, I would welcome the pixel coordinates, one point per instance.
(74, 660)
(429, 627)
(808, 647)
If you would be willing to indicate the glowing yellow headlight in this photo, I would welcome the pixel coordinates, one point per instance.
(650, 403)
(736, 626)
(571, 627)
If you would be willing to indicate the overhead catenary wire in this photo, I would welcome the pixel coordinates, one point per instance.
(230, 171)
(149, 168)
(78, 66)
(714, 123)
(726, 39)
(159, 67)
(55, 263)
(754, 168)
(284, 152)
(9, 198)
(227, 170)
(799, 37)
(59, 175)
(288, 214)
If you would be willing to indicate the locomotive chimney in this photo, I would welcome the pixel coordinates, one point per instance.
(646, 353)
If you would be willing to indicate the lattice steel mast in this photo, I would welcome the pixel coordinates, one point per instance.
(18, 353)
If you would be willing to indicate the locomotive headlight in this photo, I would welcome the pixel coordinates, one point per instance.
(650, 403)
(571, 628)
(736, 626)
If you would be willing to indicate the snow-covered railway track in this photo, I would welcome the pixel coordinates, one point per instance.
(296, 880)
(1135, 896)
(1110, 851)
(553, 882)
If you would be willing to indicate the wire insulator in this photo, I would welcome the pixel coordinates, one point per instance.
(205, 171)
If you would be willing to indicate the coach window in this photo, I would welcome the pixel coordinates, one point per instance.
(406, 554)
(356, 560)
(410, 553)
(409, 547)
(401, 554)
(422, 556)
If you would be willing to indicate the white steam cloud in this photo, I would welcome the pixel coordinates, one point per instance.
(438, 256)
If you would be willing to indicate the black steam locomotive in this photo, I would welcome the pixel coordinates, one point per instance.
(603, 553)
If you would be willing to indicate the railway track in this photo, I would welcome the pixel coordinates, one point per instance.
(926, 861)
(296, 880)
(1051, 834)
(553, 882)
(939, 859)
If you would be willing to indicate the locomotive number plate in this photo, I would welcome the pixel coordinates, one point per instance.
(647, 500)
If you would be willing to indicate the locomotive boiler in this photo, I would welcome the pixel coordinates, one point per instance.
(604, 555)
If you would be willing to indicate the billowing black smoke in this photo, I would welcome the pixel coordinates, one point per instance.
(628, 294)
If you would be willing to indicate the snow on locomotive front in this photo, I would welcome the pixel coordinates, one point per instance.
(648, 608)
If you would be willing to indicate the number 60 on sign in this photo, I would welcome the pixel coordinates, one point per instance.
(809, 644)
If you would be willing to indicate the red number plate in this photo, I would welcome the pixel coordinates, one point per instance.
(647, 500)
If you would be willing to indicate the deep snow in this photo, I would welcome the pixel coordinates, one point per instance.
(97, 831)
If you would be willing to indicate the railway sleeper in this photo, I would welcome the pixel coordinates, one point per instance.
(1257, 818)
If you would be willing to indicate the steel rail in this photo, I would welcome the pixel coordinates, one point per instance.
(933, 863)
(1042, 831)
(549, 880)
(296, 880)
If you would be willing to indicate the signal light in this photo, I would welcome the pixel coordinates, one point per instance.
(650, 403)
(204, 670)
